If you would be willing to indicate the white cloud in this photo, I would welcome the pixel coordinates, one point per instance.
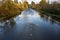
(37, 1)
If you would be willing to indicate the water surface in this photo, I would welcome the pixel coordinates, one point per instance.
(29, 25)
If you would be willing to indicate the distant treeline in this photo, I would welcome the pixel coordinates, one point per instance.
(53, 8)
(10, 8)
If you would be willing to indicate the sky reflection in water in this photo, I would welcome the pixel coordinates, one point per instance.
(30, 26)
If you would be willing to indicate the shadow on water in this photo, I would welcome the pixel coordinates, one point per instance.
(6, 27)
(30, 26)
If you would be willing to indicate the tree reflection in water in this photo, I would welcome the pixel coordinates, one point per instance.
(49, 18)
(5, 27)
(30, 26)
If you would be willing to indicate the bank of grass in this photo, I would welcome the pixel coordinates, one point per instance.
(9, 16)
(53, 16)
(47, 13)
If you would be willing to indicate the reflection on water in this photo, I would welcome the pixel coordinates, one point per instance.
(30, 26)
(5, 27)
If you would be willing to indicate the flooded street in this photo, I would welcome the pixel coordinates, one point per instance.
(30, 25)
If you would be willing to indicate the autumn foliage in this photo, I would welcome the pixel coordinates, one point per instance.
(8, 9)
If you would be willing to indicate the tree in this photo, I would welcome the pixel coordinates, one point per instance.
(43, 2)
(25, 5)
(9, 9)
(33, 5)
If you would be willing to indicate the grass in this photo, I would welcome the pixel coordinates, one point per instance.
(53, 16)
(9, 16)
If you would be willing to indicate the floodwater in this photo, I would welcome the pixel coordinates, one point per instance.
(30, 25)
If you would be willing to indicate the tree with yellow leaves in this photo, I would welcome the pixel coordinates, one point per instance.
(9, 9)
(43, 2)
(25, 5)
